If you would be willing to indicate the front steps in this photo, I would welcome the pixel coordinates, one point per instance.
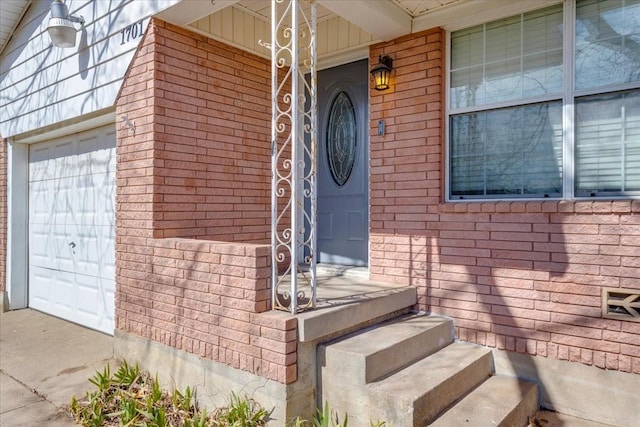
(408, 371)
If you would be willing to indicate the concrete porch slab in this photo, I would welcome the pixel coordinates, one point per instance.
(346, 301)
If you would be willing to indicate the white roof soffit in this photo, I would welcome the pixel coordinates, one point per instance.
(11, 12)
(186, 12)
(475, 11)
(383, 20)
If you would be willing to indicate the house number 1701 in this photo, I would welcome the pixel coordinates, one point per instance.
(131, 32)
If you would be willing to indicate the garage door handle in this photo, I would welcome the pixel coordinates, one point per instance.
(72, 245)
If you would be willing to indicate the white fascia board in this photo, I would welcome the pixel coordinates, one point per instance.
(186, 11)
(473, 12)
(382, 19)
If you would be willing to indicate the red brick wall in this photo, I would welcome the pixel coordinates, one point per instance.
(521, 276)
(192, 266)
(210, 155)
(3, 215)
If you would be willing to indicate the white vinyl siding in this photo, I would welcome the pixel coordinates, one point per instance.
(41, 85)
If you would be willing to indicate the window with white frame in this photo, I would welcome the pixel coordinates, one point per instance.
(547, 104)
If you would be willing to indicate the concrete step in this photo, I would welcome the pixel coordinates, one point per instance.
(499, 401)
(353, 312)
(385, 348)
(555, 419)
(415, 395)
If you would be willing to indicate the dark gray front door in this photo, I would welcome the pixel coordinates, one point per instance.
(343, 152)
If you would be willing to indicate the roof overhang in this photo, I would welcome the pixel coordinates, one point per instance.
(186, 12)
(11, 13)
(384, 20)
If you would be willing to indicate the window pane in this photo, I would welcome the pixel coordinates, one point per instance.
(467, 156)
(607, 42)
(466, 47)
(341, 142)
(608, 144)
(542, 52)
(509, 152)
(508, 59)
(465, 87)
(467, 67)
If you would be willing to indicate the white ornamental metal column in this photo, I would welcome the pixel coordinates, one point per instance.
(293, 154)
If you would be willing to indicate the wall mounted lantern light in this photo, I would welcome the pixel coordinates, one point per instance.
(382, 72)
(61, 28)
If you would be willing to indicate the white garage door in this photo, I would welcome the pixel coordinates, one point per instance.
(72, 228)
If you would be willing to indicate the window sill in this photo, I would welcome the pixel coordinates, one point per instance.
(546, 206)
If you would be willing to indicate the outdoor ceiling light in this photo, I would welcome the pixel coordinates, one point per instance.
(382, 72)
(61, 28)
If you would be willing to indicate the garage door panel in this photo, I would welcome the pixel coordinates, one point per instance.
(61, 288)
(49, 293)
(100, 161)
(51, 160)
(72, 248)
(40, 240)
(41, 202)
(41, 294)
(74, 297)
(87, 155)
(95, 302)
(95, 154)
(49, 246)
(85, 200)
(72, 228)
(93, 252)
(94, 200)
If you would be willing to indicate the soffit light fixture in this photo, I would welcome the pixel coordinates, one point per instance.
(61, 28)
(382, 72)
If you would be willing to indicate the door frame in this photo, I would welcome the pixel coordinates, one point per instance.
(17, 260)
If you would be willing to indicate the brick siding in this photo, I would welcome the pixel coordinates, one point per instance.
(193, 204)
(207, 107)
(3, 215)
(521, 276)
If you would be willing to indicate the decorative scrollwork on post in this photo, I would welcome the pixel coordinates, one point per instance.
(293, 154)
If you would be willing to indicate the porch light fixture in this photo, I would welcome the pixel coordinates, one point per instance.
(382, 72)
(61, 28)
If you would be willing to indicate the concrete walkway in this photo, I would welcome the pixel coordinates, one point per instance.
(44, 361)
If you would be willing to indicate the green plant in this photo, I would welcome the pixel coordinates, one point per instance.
(156, 391)
(126, 375)
(187, 399)
(176, 399)
(327, 418)
(131, 397)
(199, 420)
(102, 380)
(299, 422)
(128, 412)
(159, 417)
(242, 413)
(93, 412)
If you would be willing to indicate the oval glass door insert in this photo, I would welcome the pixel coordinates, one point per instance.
(342, 140)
